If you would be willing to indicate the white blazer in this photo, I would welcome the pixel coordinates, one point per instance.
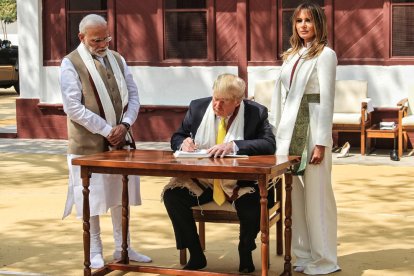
(314, 76)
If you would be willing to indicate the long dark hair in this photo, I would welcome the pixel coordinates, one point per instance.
(321, 32)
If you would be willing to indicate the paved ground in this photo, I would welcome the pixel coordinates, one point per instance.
(375, 216)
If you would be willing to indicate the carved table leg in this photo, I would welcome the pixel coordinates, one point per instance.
(85, 175)
(288, 225)
(264, 224)
(125, 219)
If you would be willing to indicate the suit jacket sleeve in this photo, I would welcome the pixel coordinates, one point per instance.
(190, 122)
(258, 135)
(182, 133)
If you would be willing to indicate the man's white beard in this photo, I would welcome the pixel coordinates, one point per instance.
(95, 53)
(101, 54)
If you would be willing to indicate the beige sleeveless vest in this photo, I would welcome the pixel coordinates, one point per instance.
(80, 140)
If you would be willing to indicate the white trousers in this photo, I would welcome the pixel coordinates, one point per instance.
(95, 231)
(314, 216)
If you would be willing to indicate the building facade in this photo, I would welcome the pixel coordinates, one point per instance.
(176, 48)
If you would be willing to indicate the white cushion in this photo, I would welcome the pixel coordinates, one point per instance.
(263, 90)
(213, 206)
(408, 120)
(349, 95)
(347, 118)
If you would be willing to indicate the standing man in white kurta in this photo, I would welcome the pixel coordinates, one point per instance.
(101, 101)
(302, 112)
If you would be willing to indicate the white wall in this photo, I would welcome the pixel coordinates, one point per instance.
(29, 16)
(179, 85)
(156, 85)
(176, 85)
(51, 93)
(386, 84)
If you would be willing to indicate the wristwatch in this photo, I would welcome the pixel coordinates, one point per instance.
(126, 125)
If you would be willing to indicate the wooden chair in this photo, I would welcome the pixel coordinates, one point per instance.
(211, 212)
(405, 122)
(351, 111)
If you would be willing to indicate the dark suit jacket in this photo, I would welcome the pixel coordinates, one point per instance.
(258, 135)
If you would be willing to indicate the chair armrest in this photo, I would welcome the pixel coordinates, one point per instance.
(403, 102)
(402, 110)
(366, 109)
(367, 105)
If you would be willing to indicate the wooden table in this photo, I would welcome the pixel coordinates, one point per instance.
(162, 163)
(375, 132)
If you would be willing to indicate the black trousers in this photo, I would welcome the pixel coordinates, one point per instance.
(178, 202)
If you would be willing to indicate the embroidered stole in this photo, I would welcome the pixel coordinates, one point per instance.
(300, 136)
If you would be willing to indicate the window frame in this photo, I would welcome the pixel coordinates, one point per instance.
(110, 11)
(391, 34)
(210, 23)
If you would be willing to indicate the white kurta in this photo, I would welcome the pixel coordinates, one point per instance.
(105, 190)
(314, 241)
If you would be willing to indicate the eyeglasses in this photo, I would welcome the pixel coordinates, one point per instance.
(99, 40)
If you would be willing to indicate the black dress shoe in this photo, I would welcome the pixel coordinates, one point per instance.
(196, 263)
(249, 269)
(246, 262)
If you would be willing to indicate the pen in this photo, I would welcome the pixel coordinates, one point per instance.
(192, 139)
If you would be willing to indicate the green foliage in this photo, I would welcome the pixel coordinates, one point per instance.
(8, 11)
(8, 14)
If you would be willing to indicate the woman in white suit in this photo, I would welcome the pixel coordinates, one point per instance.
(302, 111)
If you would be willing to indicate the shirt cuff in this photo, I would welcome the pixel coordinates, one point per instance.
(105, 132)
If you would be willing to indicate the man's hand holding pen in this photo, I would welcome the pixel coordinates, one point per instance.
(189, 144)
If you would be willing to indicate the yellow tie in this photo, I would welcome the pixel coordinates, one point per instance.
(218, 193)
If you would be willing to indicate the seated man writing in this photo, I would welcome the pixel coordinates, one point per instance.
(223, 124)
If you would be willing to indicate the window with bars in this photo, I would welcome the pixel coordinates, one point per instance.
(402, 34)
(288, 7)
(185, 29)
(76, 10)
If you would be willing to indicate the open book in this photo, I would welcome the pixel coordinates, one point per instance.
(201, 154)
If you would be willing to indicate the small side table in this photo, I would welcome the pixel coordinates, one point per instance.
(375, 132)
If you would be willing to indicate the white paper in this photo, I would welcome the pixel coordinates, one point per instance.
(202, 154)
